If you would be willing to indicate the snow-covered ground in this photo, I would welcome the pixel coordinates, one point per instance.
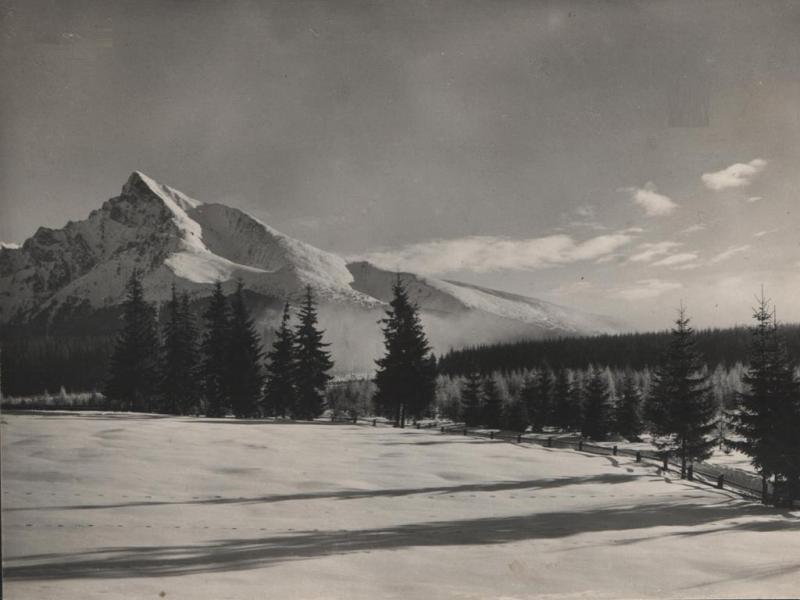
(118, 505)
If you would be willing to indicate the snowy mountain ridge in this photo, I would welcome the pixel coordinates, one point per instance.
(175, 239)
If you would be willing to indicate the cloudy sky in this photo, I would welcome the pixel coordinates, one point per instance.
(620, 157)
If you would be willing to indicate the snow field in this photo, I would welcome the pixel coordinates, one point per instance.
(122, 505)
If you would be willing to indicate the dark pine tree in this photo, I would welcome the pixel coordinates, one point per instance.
(595, 406)
(562, 407)
(179, 357)
(627, 416)
(406, 375)
(682, 410)
(537, 394)
(214, 354)
(492, 404)
(515, 417)
(312, 362)
(244, 377)
(133, 374)
(767, 421)
(279, 390)
(472, 400)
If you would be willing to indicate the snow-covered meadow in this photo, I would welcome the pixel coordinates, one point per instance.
(121, 505)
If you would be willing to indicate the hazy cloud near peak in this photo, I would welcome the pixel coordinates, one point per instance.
(737, 175)
(482, 254)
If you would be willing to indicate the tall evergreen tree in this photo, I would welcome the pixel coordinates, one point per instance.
(244, 377)
(312, 362)
(492, 404)
(214, 353)
(682, 410)
(768, 419)
(595, 406)
(133, 376)
(537, 393)
(406, 375)
(179, 357)
(562, 407)
(627, 416)
(472, 399)
(279, 390)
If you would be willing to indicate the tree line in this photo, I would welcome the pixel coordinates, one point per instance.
(637, 351)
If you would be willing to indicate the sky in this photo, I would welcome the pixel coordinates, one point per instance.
(617, 157)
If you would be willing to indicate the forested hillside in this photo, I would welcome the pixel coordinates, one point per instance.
(719, 347)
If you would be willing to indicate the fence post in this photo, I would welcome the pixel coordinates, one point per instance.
(355, 420)
(690, 472)
(491, 435)
(638, 456)
(580, 444)
(764, 491)
(417, 425)
(721, 482)
(519, 438)
(614, 450)
(666, 462)
(374, 422)
(442, 428)
(465, 431)
(550, 442)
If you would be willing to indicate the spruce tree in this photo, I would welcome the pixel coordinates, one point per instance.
(406, 375)
(244, 377)
(595, 408)
(214, 351)
(492, 404)
(562, 407)
(133, 374)
(682, 411)
(627, 417)
(179, 357)
(515, 416)
(312, 362)
(279, 391)
(767, 421)
(472, 399)
(537, 394)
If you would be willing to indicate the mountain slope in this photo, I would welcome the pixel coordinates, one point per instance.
(80, 270)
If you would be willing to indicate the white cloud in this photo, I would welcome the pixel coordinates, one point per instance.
(648, 252)
(726, 254)
(647, 288)
(676, 259)
(694, 228)
(760, 234)
(481, 254)
(9, 245)
(737, 175)
(654, 204)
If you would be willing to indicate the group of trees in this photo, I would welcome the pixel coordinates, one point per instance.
(216, 368)
(562, 399)
(297, 366)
